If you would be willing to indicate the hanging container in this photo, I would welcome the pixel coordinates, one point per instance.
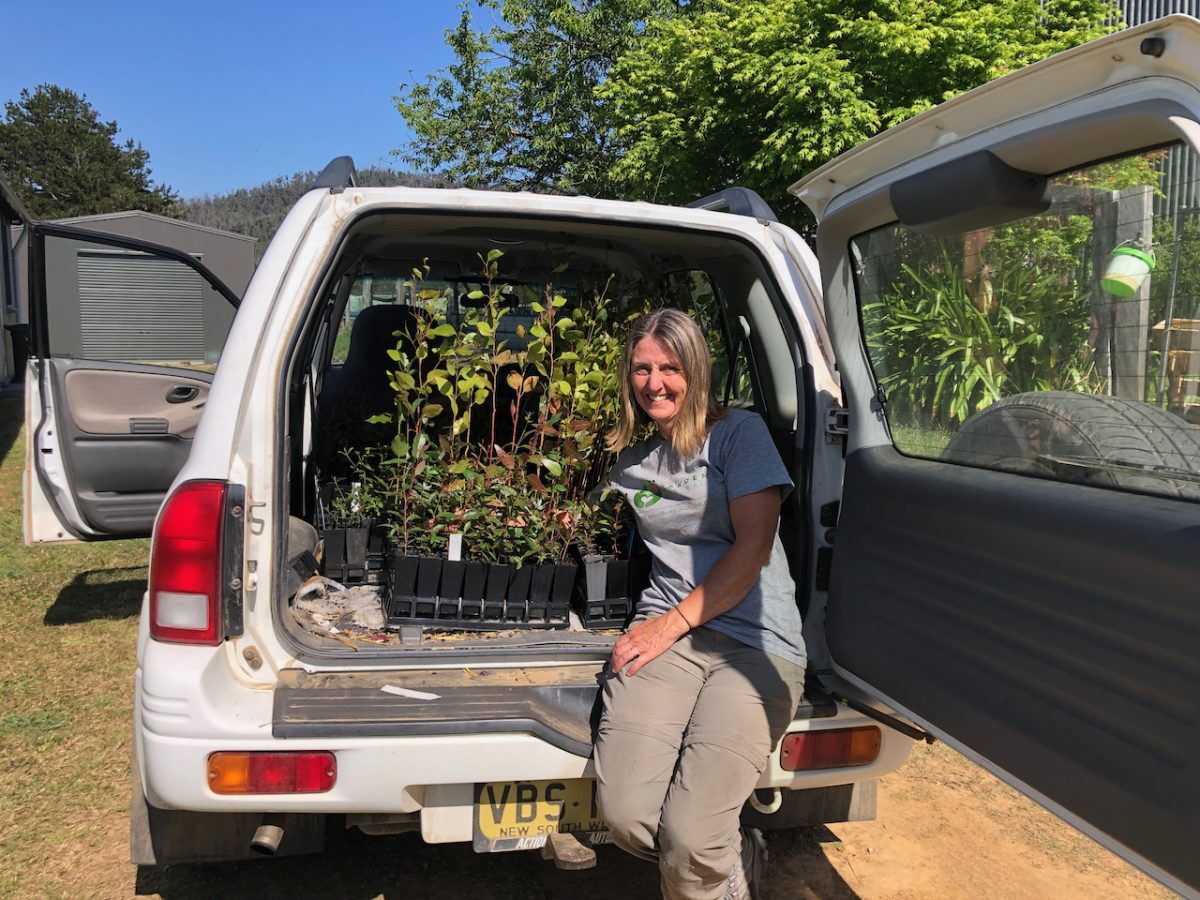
(1128, 267)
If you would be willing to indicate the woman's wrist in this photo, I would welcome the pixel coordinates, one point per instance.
(685, 619)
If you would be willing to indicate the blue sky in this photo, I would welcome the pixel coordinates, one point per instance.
(225, 94)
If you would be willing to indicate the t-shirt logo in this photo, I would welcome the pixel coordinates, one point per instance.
(650, 494)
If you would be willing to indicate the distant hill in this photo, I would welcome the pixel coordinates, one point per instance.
(258, 211)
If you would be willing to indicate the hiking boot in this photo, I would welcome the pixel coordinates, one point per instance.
(745, 883)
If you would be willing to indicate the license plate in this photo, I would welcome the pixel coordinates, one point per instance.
(519, 815)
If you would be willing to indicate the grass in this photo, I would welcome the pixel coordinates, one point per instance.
(913, 440)
(68, 626)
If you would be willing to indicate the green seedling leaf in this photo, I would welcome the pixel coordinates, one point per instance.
(380, 419)
(552, 466)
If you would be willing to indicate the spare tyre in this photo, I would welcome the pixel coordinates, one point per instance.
(1085, 438)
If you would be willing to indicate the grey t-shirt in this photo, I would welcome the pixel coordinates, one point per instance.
(682, 511)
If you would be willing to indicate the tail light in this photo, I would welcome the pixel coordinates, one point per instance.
(832, 749)
(185, 565)
(256, 772)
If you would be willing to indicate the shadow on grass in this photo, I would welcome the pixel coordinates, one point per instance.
(401, 866)
(99, 594)
(12, 415)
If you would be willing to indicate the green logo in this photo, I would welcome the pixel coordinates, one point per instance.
(648, 496)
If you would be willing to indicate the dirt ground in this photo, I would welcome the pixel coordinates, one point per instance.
(946, 829)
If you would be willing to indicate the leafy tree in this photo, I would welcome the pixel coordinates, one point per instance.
(62, 160)
(518, 108)
(760, 92)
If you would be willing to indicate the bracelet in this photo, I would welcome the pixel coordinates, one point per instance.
(685, 618)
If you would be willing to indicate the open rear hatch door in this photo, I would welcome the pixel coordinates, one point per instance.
(1017, 563)
(125, 340)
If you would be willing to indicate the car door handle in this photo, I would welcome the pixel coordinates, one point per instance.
(182, 393)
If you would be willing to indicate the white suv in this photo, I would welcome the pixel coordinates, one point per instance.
(986, 393)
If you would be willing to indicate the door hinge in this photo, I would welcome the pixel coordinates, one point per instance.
(905, 728)
(837, 424)
(233, 537)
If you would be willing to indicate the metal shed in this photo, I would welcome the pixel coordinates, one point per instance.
(127, 306)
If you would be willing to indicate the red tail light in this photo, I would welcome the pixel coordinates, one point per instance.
(258, 772)
(803, 750)
(185, 565)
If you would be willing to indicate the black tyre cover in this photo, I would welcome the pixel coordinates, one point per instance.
(1065, 435)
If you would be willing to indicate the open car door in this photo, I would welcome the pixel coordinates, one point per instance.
(1013, 287)
(125, 340)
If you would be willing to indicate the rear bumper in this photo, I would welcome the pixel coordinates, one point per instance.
(192, 707)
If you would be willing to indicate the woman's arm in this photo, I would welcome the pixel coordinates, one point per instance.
(755, 520)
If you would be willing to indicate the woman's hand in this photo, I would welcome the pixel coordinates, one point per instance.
(647, 640)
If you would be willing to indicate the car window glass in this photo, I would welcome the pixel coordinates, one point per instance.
(700, 296)
(448, 295)
(1064, 345)
(105, 302)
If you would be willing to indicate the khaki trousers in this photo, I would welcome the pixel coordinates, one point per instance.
(681, 746)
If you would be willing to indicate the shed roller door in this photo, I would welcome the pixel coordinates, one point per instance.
(139, 308)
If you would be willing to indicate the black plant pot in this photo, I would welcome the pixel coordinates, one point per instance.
(541, 585)
(429, 576)
(404, 576)
(499, 575)
(563, 584)
(453, 573)
(474, 581)
(519, 585)
(346, 553)
(605, 592)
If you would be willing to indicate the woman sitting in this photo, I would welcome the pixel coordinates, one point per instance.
(706, 680)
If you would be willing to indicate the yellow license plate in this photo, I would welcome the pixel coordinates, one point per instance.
(519, 815)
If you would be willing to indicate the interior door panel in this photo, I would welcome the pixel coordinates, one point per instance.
(1051, 627)
(127, 334)
(125, 437)
(109, 401)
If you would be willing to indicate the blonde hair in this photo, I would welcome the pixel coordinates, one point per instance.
(679, 334)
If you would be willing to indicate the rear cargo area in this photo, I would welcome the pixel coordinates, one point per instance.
(448, 404)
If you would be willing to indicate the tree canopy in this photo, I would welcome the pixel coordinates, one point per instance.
(517, 108)
(62, 160)
(677, 101)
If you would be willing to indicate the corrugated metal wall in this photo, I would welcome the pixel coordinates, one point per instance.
(1139, 11)
(137, 308)
(1181, 168)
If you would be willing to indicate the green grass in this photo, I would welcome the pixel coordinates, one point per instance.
(913, 440)
(68, 628)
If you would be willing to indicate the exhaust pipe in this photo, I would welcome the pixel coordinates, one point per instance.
(266, 839)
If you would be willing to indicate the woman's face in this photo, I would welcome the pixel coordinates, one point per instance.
(659, 383)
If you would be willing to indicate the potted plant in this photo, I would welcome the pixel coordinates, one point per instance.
(498, 440)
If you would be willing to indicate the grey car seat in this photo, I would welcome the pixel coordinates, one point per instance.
(360, 388)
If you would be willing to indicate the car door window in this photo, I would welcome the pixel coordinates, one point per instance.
(1063, 345)
(695, 292)
(118, 304)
